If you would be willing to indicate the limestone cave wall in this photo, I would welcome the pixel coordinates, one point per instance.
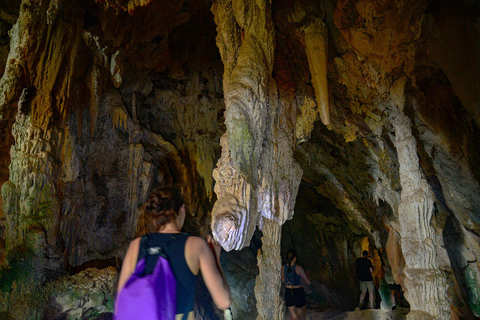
(327, 126)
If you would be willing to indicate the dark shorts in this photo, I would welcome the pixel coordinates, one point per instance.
(295, 297)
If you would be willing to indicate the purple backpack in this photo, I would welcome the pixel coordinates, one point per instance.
(150, 292)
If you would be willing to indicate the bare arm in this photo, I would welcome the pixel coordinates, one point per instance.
(299, 270)
(129, 263)
(209, 263)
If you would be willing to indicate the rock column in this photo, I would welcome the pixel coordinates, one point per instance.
(256, 177)
(269, 303)
(425, 284)
(31, 202)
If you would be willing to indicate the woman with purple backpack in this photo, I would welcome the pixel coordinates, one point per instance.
(159, 272)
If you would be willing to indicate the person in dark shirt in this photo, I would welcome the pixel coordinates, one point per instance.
(292, 273)
(364, 270)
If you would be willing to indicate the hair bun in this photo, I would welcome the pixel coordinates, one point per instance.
(161, 207)
(165, 203)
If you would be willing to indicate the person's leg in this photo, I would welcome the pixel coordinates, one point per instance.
(363, 291)
(301, 303)
(393, 293)
(302, 313)
(371, 292)
(392, 298)
(293, 312)
(371, 298)
(290, 303)
(362, 297)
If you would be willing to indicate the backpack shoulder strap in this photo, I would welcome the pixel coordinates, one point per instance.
(285, 267)
(151, 250)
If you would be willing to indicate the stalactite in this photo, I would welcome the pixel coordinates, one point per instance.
(125, 5)
(395, 256)
(245, 99)
(135, 170)
(119, 117)
(140, 171)
(306, 120)
(257, 178)
(95, 86)
(257, 134)
(316, 47)
(72, 231)
(205, 154)
(233, 220)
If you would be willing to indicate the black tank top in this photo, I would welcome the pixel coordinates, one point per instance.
(175, 252)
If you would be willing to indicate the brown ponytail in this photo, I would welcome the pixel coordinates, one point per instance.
(161, 207)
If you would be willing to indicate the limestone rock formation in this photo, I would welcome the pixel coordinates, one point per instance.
(326, 126)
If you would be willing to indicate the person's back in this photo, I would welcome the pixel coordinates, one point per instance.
(292, 278)
(187, 255)
(364, 269)
(362, 266)
(174, 244)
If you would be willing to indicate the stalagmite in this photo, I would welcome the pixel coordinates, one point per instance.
(270, 306)
(33, 178)
(425, 284)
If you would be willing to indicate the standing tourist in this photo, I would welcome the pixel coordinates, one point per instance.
(186, 255)
(292, 273)
(364, 270)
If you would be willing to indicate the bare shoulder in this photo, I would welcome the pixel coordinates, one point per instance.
(133, 248)
(134, 245)
(298, 269)
(196, 243)
(135, 242)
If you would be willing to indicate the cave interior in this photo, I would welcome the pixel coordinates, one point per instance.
(327, 126)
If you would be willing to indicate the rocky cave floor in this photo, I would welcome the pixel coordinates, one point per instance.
(317, 313)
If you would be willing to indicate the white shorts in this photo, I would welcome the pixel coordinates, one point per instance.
(364, 285)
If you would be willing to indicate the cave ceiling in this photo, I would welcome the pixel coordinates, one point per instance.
(157, 44)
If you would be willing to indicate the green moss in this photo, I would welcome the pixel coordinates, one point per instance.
(110, 302)
(18, 268)
(384, 292)
(40, 209)
(241, 146)
(473, 290)
(92, 313)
